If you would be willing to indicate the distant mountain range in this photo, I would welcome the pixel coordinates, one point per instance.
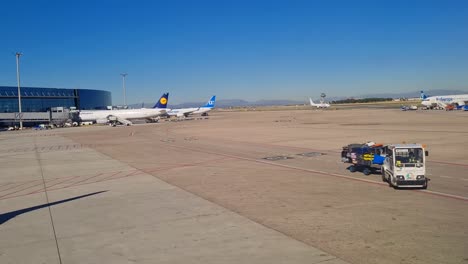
(239, 102)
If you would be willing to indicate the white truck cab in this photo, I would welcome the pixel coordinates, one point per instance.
(405, 166)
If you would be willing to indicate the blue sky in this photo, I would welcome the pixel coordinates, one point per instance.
(236, 49)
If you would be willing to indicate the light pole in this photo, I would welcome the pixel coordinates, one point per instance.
(123, 84)
(18, 54)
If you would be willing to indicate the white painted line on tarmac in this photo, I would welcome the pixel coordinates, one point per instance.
(447, 177)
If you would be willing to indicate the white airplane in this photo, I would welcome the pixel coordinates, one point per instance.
(321, 105)
(203, 110)
(443, 100)
(125, 115)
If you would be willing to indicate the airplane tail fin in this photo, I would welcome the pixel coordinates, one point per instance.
(162, 103)
(211, 102)
(422, 96)
(311, 102)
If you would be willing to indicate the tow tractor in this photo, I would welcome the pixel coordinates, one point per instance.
(405, 166)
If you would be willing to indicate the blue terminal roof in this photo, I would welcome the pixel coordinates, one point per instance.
(10, 91)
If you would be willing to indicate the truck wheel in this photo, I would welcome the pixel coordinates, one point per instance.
(390, 182)
(352, 169)
(383, 174)
(424, 186)
(366, 171)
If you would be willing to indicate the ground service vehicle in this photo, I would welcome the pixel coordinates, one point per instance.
(450, 107)
(404, 166)
(365, 157)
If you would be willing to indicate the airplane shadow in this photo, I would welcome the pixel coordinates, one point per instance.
(10, 215)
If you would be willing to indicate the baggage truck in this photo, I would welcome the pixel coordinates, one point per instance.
(364, 157)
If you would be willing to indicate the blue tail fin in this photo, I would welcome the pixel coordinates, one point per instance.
(162, 103)
(422, 96)
(211, 102)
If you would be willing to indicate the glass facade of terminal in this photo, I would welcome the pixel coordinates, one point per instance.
(93, 99)
(42, 99)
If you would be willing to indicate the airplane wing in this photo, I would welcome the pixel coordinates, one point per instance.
(182, 112)
(187, 113)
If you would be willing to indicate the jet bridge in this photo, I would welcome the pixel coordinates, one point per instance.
(31, 118)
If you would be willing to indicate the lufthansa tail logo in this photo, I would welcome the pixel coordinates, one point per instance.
(163, 101)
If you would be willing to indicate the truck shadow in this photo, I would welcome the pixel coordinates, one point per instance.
(360, 169)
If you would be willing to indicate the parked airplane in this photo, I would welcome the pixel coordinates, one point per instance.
(444, 100)
(203, 110)
(320, 105)
(125, 115)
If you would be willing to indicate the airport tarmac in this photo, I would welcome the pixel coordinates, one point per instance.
(209, 191)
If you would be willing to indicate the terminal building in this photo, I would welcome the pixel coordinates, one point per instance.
(48, 105)
(43, 99)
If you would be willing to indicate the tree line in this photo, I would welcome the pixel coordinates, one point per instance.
(363, 100)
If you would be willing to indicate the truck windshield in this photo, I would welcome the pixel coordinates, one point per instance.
(409, 156)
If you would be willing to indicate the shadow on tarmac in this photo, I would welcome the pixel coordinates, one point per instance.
(10, 215)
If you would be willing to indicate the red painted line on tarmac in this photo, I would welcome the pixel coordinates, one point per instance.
(5, 184)
(60, 178)
(103, 179)
(449, 163)
(66, 179)
(20, 195)
(97, 175)
(446, 195)
(13, 187)
(111, 177)
(52, 189)
(107, 179)
(335, 151)
(136, 172)
(326, 151)
(17, 191)
(165, 168)
(181, 165)
(457, 197)
(40, 190)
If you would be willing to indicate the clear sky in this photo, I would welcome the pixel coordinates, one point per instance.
(236, 49)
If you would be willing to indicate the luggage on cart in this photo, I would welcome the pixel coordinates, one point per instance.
(365, 157)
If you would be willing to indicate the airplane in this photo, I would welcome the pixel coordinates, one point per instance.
(125, 115)
(185, 112)
(443, 100)
(320, 105)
